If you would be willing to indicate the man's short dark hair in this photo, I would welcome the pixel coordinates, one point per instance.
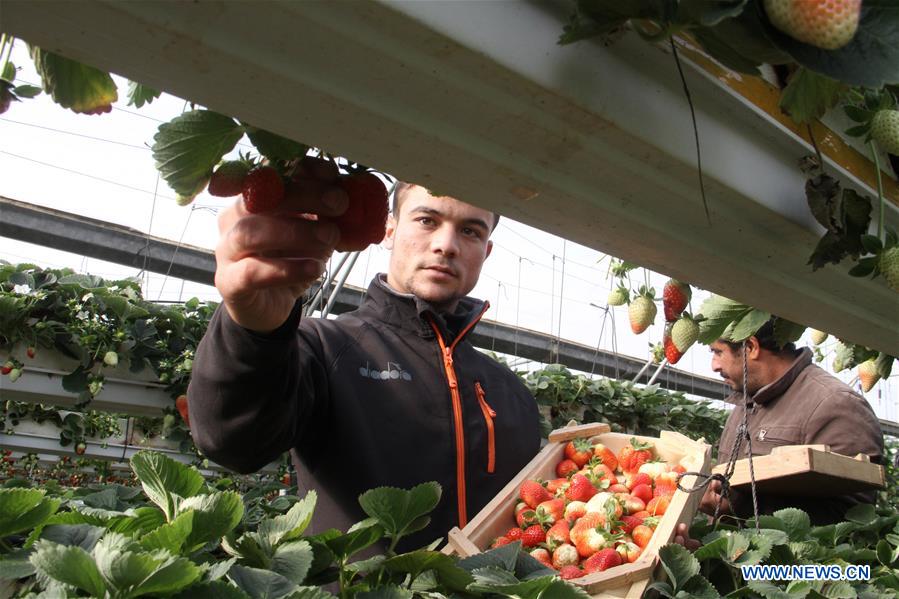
(399, 193)
(767, 340)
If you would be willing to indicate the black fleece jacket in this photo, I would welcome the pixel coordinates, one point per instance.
(363, 401)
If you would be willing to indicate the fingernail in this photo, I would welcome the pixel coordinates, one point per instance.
(335, 199)
(326, 232)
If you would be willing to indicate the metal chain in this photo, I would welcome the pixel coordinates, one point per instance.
(742, 433)
(746, 408)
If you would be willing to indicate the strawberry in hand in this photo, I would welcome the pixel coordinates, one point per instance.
(364, 221)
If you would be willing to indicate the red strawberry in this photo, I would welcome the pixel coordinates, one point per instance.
(526, 517)
(629, 552)
(634, 455)
(514, 534)
(7, 367)
(640, 478)
(565, 468)
(672, 354)
(658, 505)
(581, 488)
(579, 451)
(263, 189)
(826, 24)
(542, 555)
(664, 487)
(181, 405)
(641, 535)
(228, 178)
(606, 456)
(569, 572)
(30, 351)
(642, 491)
(554, 485)
(629, 523)
(365, 218)
(533, 493)
(633, 504)
(675, 297)
(558, 533)
(80, 447)
(533, 535)
(565, 555)
(575, 510)
(499, 542)
(602, 561)
(551, 511)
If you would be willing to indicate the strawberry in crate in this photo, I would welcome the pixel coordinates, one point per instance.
(599, 512)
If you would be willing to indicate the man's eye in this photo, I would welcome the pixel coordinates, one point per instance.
(426, 221)
(471, 232)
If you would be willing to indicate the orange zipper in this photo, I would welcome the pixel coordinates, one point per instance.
(457, 411)
(489, 415)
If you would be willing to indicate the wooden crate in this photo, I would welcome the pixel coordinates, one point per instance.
(809, 470)
(628, 580)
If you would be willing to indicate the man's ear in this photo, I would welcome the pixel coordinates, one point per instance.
(753, 349)
(389, 231)
(489, 248)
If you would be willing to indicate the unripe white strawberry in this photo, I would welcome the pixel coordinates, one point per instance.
(818, 337)
(868, 375)
(885, 130)
(826, 24)
(111, 358)
(889, 267)
(684, 333)
(618, 297)
(641, 312)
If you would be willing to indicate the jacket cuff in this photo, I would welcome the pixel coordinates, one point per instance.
(283, 333)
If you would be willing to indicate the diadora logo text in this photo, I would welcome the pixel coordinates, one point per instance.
(393, 372)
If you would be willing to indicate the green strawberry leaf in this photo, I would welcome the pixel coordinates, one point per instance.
(398, 509)
(69, 565)
(215, 589)
(215, 515)
(166, 481)
(504, 557)
(858, 114)
(884, 553)
(310, 593)
(796, 523)
(15, 565)
(884, 365)
(131, 572)
(293, 560)
(188, 147)
(26, 91)
(290, 525)
(74, 535)
(749, 324)
(354, 541)
(786, 331)
(718, 313)
(170, 536)
(275, 147)
(9, 72)
(809, 95)
(260, 584)
(699, 588)
(386, 592)
(872, 243)
(870, 60)
(139, 94)
(73, 85)
(24, 509)
(862, 513)
(716, 42)
(679, 564)
(858, 131)
(450, 574)
(864, 267)
(708, 14)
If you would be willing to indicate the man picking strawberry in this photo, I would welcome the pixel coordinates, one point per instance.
(391, 394)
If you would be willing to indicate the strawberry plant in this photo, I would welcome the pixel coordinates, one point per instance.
(866, 538)
(182, 537)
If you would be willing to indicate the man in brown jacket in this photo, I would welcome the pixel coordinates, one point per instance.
(791, 402)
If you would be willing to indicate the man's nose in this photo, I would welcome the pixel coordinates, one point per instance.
(445, 240)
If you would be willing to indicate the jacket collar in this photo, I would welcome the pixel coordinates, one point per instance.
(410, 313)
(777, 388)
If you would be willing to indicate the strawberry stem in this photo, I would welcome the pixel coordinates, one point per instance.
(879, 191)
